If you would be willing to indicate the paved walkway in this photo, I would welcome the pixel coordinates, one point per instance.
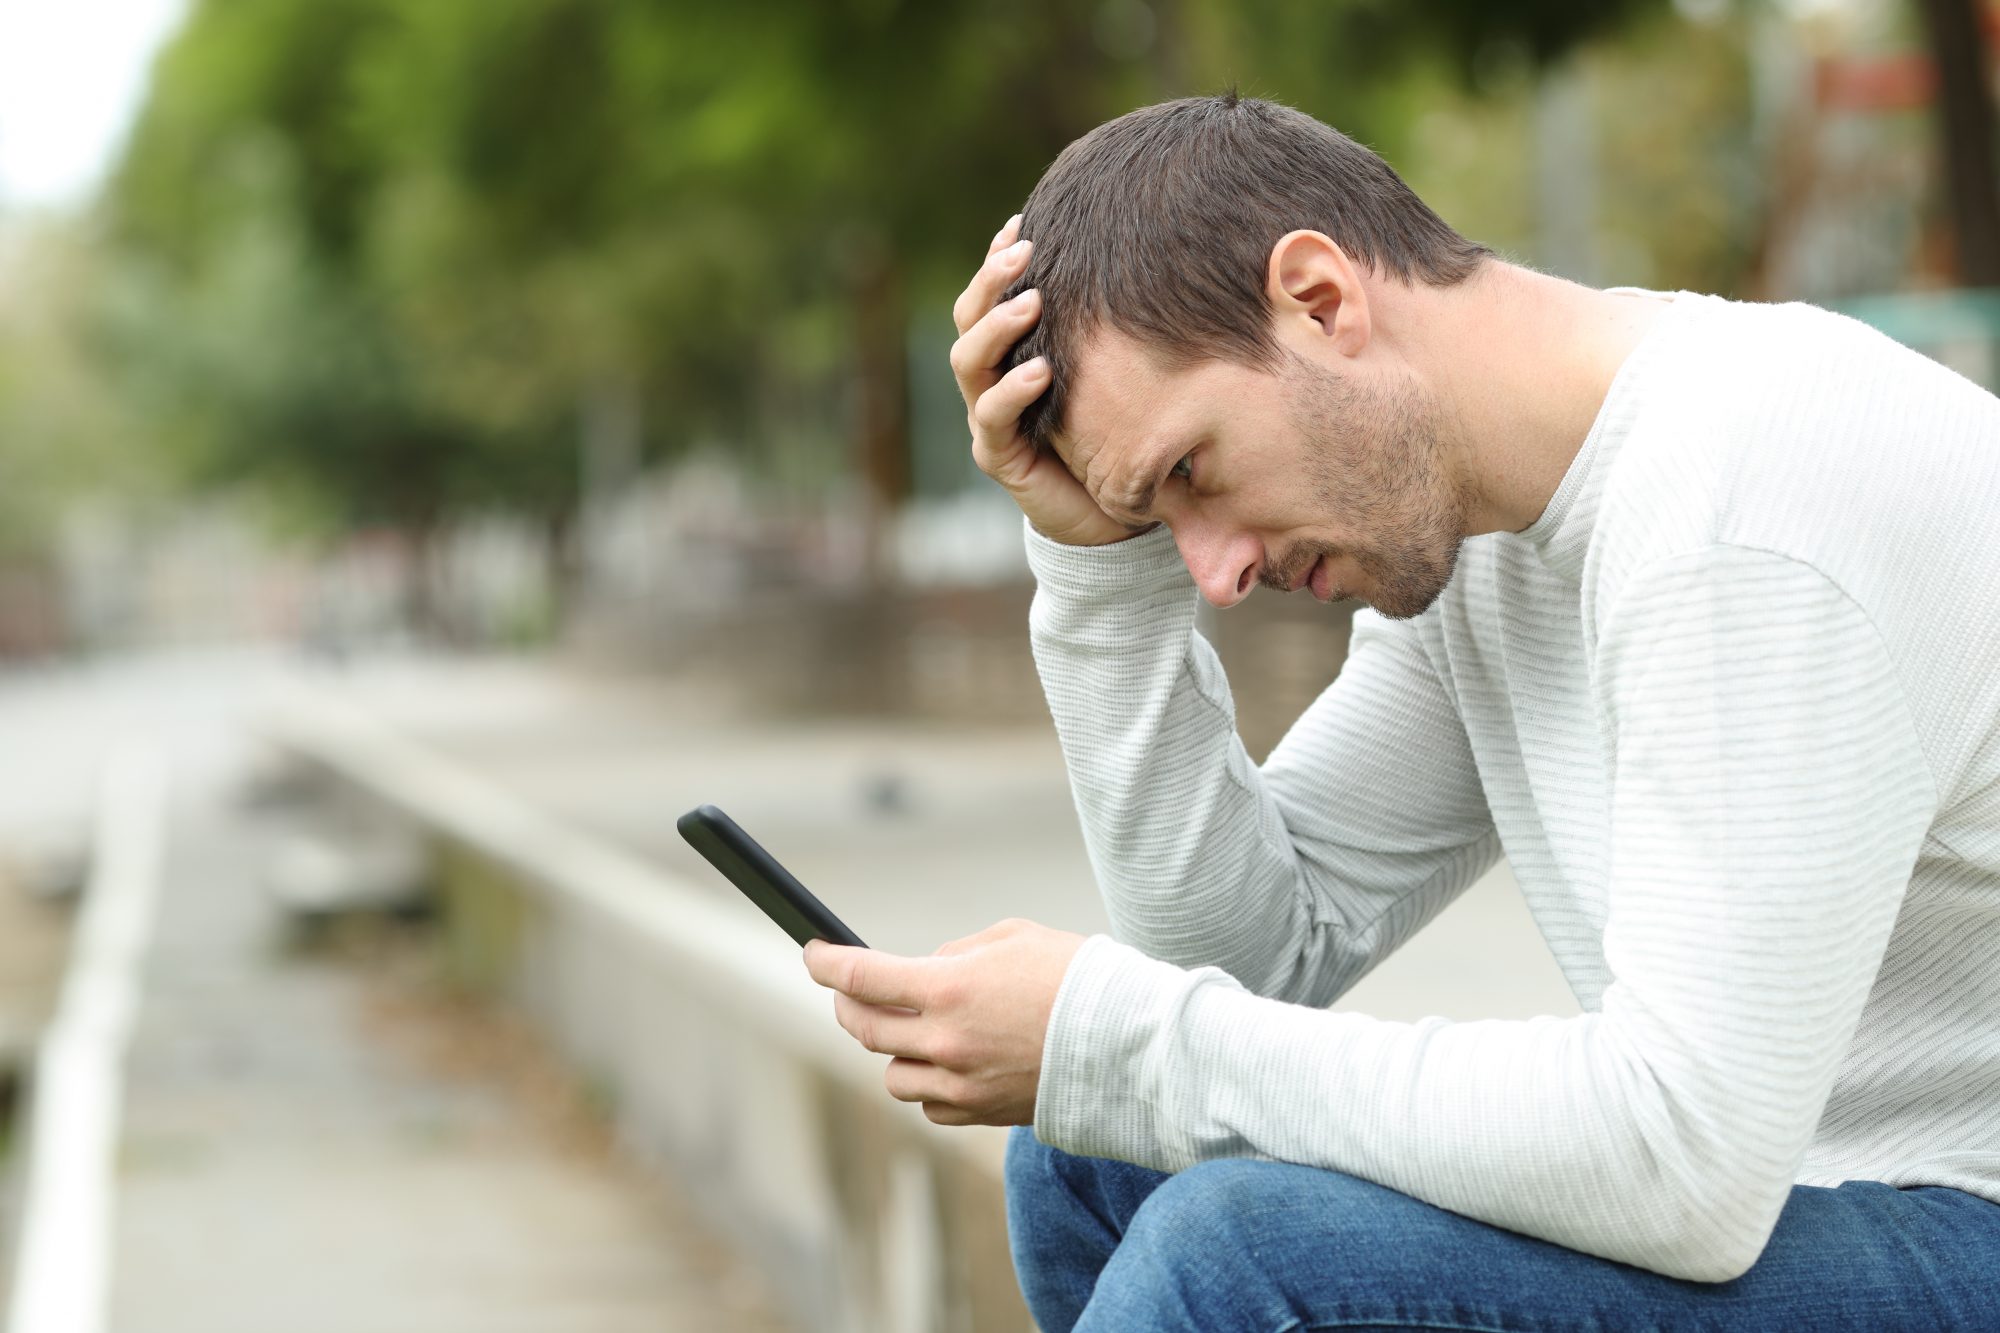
(915, 833)
(318, 1146)
(311, 1144)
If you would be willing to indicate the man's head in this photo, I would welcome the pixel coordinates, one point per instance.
(1201, 265)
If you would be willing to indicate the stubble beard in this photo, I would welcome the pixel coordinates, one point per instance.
(1375, 457)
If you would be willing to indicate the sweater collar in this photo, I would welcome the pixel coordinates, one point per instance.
(1561, 536)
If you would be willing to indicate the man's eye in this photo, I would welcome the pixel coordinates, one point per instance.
(1183, 469)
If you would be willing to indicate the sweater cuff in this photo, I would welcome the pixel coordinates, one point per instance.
(1106, 1033)
(1148, 560)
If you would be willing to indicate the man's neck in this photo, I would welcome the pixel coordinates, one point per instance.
(1521, 363)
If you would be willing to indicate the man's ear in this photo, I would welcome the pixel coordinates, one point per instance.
(1315, 292)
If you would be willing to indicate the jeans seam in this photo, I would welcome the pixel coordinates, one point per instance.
(1295, 1325)
(1446, 1324)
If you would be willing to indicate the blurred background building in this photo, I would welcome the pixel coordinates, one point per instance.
(555, 393)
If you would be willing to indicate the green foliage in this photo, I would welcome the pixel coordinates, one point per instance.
(60, 434)
(377, 255)
(1677, 193)
(1681, 192)
(247, 85)
(1470, 31)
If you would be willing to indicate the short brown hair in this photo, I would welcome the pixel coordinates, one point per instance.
(1160, 224)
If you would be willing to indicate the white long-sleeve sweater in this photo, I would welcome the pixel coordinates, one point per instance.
(1731, 708)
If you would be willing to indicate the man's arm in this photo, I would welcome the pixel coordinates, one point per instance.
(1295, 878)
(1770, 798)
(1298, 878)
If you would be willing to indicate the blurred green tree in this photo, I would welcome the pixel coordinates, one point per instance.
(244, 317)
(61, 437)
(407, 258)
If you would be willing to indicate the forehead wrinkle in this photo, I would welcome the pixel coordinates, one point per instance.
(1134, 495)
(1121, 386)
(1080, 461)
(1098, 491)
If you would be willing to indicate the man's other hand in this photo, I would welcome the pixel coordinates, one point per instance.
(1054, 501)
(964, 1027)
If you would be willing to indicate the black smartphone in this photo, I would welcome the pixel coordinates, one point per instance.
(763, 881)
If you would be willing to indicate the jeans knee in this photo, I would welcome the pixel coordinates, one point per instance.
(1025, 1166)
(1058, 1246)
(1191, 1259)
(1045, 1184)
(1065, 1218)
(1036, 1197)
(1203, 1209)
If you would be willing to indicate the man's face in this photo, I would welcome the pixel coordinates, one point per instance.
(1333, 481)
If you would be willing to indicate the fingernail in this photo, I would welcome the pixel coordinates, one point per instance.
(1027, 298)
(1019, 248)
(1036, 368)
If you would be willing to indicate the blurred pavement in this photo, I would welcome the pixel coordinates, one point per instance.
(326, 1148)
(316, 1143)
(915, 833)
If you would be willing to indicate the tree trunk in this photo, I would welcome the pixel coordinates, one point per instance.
(423, 609)
(1966, 120)
(882, 407)
(562, 565)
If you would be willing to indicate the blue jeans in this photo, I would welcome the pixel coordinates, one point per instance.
(1265, 1247)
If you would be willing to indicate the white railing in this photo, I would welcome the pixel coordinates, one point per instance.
(719, 1058)
(63, 1257)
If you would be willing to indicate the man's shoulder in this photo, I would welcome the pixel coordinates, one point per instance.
(1814, 440)
(1795, 430)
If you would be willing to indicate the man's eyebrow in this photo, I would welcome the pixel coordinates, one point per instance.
(1137, 497)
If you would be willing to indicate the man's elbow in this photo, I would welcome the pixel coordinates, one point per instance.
(1713, 1265)
(1712, 1236)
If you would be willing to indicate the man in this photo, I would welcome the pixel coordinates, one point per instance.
(1691, 608)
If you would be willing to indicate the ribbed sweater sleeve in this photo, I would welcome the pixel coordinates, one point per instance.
(1769, 798)
(1295, 878)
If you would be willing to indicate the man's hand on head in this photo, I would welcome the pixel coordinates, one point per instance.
(965, 1026)
(1054, 501)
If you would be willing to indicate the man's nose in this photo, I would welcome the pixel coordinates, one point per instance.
(1224, 565)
